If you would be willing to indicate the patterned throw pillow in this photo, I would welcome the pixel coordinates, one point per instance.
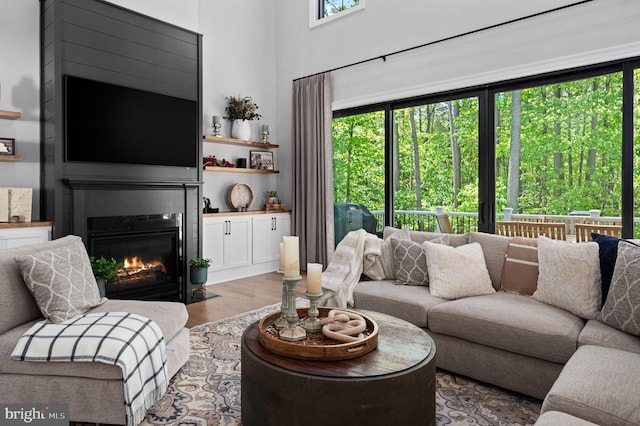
(622, 308)
(520, 271)
(569, 276)
(61, 280)
(457, 272)
(409, 262)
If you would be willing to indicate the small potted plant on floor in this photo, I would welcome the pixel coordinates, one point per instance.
(240, 111)
(198, 270)
(104, 270)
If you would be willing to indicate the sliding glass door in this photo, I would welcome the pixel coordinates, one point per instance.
(558, 152)
(436, 164)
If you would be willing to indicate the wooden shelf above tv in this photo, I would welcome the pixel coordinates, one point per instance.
(231, 141)
(238, 170)
(10, 158)
(10, 115)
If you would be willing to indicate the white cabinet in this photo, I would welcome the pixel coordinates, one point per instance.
(268, 230)
(243, 245)
(21, 236)
(226, 240)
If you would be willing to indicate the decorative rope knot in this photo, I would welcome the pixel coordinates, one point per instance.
(343, 326)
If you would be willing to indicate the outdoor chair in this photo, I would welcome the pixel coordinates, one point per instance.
(555, 231)
(584, 230)
(508, 228)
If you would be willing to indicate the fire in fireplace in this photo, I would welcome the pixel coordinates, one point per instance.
(148, 249)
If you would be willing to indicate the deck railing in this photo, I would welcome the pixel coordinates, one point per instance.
(463, 222)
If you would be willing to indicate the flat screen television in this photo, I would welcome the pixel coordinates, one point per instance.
(107, 123)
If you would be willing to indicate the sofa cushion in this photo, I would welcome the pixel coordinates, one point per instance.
(169, 316)
(457, 271)
(569, 276)
(622, 308)
(455, 240)
(599, 385)
(599, 334)
(410, 303)
(556, 418)
(16, 302)
(520, 271)
(494, 248)
(409, 262)
(510, 322)
(61, 280)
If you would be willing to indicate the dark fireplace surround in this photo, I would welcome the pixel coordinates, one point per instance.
(150, 208)
(156, 222)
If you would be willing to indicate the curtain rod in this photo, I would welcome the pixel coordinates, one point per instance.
(397, 52)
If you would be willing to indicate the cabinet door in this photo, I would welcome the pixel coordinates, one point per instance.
(213, 235)
(262, 239)
(282, 227)
(237, 242)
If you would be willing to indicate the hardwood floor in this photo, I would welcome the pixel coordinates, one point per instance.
(238, 296)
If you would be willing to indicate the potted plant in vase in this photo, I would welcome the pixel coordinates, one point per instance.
(198, 275)
(104, 270)
(241, 111)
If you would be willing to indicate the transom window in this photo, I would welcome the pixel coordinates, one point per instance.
(322, 11)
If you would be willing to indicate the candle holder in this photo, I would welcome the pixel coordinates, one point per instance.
(293, 332)
(215, 129)
(281, 322)
(265, 136)
(312, 323)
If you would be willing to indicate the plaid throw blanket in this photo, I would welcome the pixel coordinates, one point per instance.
(131, 341)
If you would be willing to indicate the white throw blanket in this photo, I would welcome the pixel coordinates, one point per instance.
(131, 341)
(359, 251)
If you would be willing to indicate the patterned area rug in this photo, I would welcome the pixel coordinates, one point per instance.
(206, 391)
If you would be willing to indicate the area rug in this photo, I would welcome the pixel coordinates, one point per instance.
(206, 391)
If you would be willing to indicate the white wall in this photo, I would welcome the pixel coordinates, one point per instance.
(585, 34)
(20, 91)
(239, 58)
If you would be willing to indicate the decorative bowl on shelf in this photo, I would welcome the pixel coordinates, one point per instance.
(240, 197)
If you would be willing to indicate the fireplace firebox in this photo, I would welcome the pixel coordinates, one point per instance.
(148, 249)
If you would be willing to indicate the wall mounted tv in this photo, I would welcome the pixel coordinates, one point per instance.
(107, 123)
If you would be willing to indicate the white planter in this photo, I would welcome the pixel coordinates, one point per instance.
(241, 129)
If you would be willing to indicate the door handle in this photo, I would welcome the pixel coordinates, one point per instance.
(274, 224)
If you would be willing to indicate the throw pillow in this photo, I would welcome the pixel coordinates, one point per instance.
(622, 308)
(608, 251)
(569, 276)
(409, 262)
(520, 271)
(456, 272)
(61, 280)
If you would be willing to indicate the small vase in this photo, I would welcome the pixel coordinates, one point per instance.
(241, 129)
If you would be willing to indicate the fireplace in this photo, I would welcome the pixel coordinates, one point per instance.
(148, 247)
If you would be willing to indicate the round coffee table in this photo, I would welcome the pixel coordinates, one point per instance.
(392, 385)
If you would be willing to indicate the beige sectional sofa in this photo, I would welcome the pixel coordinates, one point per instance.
(93, 391)
(582, 367)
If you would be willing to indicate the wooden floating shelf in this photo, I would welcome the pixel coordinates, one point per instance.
(231, 141)
(238, 170)
(10, 158)
(10, 115)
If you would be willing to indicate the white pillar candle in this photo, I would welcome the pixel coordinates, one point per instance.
(314, 278)
(291, 257)
(282, 257)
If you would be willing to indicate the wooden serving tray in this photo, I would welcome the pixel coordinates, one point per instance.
(315, 347)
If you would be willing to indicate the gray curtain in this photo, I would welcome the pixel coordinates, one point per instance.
(313, 169)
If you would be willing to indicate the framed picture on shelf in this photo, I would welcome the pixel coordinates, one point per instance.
(7, 146)
(262, 160)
